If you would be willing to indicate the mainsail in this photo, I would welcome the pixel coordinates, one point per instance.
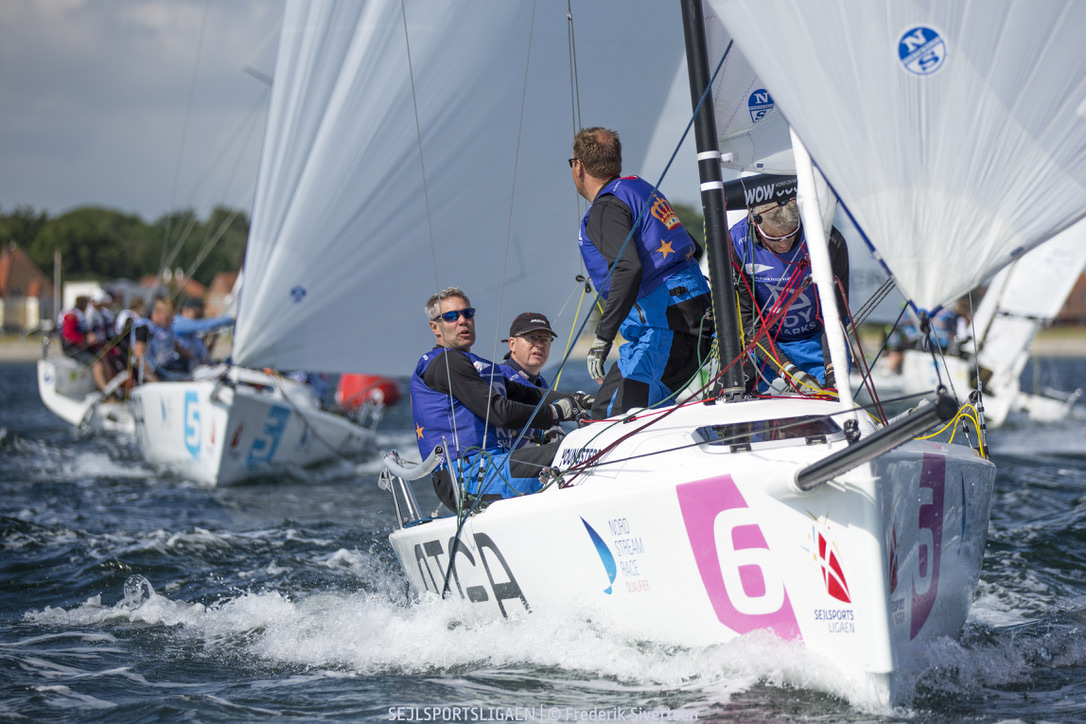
(954, 133)
(405, 143)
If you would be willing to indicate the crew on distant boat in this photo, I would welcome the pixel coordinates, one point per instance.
(656, 296)
(530, 338)
(81, 343)
(100, 315)
(158, 353)
(778, 308)
(465, 403)
(124, 328)
(189, 326)
(948, 329)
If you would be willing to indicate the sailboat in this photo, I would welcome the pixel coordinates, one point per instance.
(67, 389)
(392, 127)
(1021, 300)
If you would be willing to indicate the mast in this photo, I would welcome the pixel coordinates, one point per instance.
(717, 244)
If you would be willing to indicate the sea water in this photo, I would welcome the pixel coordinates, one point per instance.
(130, 595)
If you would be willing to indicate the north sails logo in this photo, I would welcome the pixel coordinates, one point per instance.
(922, 50)
(760, 103)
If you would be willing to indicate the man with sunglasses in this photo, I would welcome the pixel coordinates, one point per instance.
(465, 403)
(770, 251)
(643, 264)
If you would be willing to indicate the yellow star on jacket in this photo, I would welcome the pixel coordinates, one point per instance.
(665, 248)
(418, 431)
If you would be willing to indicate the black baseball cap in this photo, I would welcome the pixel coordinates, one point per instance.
(529, 322)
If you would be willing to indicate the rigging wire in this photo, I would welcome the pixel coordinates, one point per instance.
(426, 200)
(184, 136)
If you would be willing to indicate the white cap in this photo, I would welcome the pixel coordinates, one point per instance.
(101, 296)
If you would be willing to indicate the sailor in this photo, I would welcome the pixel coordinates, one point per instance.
(655, 296)
(100, 315)
(158, 353)
(530, 338)
(770, 252)
(189, 326)
(461, 401)
(81, 343)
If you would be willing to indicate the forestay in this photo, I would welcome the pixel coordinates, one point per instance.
(954, 133)
(339, 261)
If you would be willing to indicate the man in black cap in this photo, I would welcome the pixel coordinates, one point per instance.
(530, 338)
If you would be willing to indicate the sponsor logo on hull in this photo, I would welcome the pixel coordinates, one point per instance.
(623, 556)
(433, 566)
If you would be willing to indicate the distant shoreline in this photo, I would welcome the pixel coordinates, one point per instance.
(1053, 342)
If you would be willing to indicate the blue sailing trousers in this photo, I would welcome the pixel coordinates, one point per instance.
(657, 361)
(489, 474)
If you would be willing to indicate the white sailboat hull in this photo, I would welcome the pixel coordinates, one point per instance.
(239, 425)
(67, 390)
(700, 545)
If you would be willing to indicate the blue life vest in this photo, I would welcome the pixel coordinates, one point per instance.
(660, 239)
(435, 413)
(944, 326)
(512, 373)
(771, 274)
(160, 346)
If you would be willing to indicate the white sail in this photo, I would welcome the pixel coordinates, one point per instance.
(340, 259)
(752, 133)
(954, 133)
(1021, 300)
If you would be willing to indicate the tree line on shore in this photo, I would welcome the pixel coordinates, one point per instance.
(103, 244)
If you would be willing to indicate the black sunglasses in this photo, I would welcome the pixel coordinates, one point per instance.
(572, 160)
(451, 317)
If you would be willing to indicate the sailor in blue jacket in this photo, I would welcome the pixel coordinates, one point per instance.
(774, 294)
(465, 403)
(643, 264)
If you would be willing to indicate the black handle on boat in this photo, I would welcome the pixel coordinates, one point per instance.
(895, 434)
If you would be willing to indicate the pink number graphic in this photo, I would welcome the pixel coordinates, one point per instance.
(734, 559)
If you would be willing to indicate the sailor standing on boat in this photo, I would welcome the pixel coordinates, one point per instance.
(656, 296)
(465, 403)
(774, 266)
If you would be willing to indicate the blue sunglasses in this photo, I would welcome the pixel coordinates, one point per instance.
(451, 317)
